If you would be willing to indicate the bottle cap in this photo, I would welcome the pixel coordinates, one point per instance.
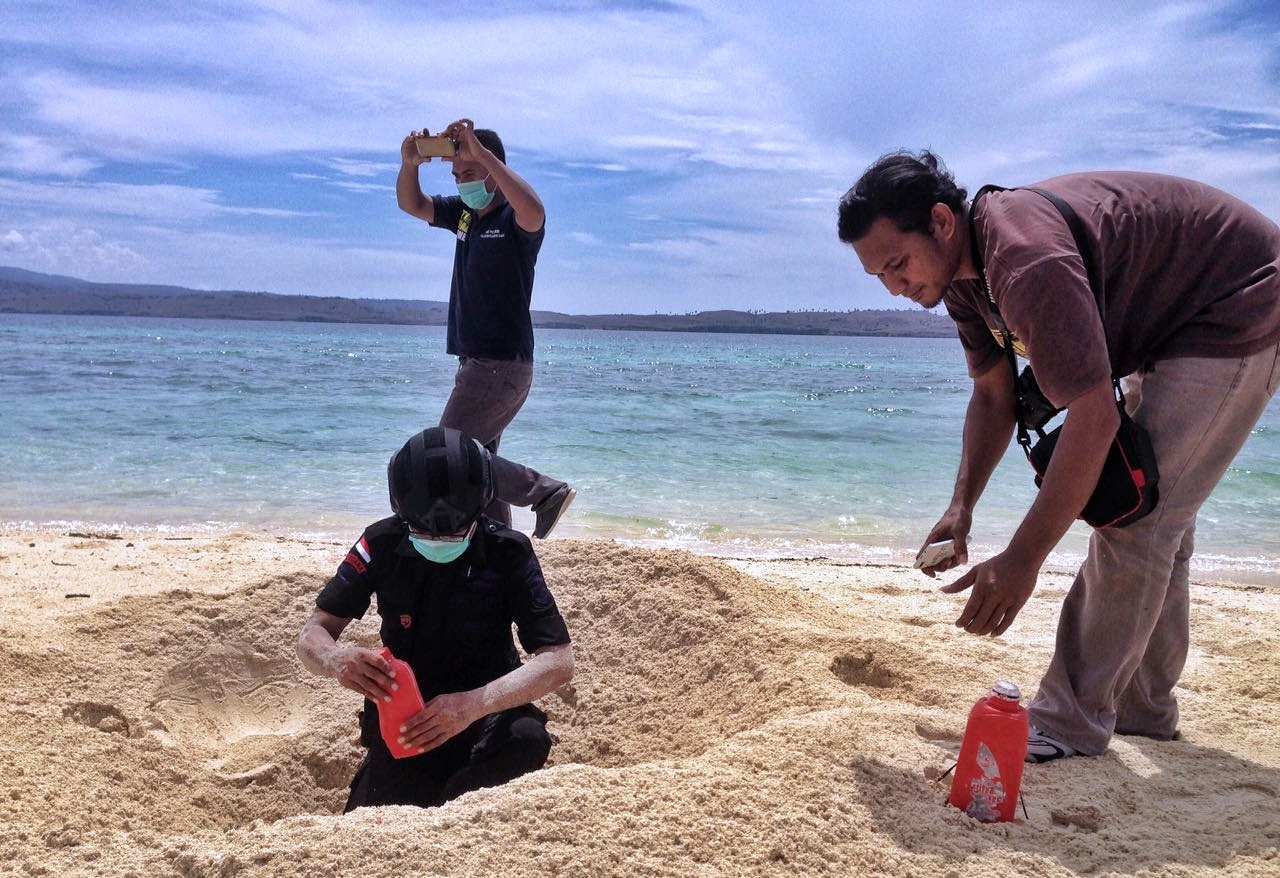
(1005, 689)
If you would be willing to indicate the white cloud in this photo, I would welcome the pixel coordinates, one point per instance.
(154, 202)
(356, 168)
(63, 248)
(43, 156)
(720, 133)
(586, 239)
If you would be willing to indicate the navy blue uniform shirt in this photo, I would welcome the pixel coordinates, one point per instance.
(451, 622)
(492, 285)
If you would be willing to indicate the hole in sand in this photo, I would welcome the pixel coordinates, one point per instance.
(234, 701)
(864, 669)
(102, 717)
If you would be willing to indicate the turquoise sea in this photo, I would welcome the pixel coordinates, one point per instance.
(744, 445)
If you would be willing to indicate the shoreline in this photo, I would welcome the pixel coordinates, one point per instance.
(1206, 569)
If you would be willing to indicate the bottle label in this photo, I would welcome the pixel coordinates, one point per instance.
(986, 792)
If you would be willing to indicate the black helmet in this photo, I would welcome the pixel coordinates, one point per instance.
(440, 481)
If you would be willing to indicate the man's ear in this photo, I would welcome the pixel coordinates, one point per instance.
(942, 222)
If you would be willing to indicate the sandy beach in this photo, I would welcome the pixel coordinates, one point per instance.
(728, 717)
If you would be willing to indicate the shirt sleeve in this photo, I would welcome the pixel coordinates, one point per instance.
(981, 351)
(532, 240)
(538, 620)
(1041, 287)
(1050, 307)
(350, 591)
(447, 211)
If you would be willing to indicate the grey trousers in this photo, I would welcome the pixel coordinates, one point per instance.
(487, 395)
(1123, 633)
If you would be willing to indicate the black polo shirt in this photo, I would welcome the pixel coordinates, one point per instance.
(451, 622)
(492, 285)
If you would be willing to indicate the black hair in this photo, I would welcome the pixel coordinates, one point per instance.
(902, 186)
(490, 140)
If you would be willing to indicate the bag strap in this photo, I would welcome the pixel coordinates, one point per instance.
(1092, 272)
(1074, 224)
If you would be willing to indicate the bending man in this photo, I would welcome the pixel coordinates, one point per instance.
(1191, 283)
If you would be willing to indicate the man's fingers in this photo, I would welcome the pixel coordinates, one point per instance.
(369, 676)
(427, 736)
(942, 567)
(980, 618)
(1009, 616)
(418, 723)
(960, 584)
(365, 687)
(969, 613)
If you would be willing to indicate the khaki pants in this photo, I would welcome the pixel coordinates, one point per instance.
(1123, 632)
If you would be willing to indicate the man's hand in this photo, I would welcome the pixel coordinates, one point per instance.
(954, 525)
(409, 152)
(362, 670)
(469, 148)
(442, 718)
(1004, 583)
(1001, 585)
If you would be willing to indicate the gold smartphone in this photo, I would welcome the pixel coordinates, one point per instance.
(435, 146)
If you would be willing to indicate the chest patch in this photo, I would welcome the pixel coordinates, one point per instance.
(464, 225)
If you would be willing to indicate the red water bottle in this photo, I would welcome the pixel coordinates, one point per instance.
(405, 702)
(989, 773)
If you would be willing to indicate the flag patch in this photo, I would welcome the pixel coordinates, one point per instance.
(358, 557)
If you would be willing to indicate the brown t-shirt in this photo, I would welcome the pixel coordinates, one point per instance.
(1187, 271)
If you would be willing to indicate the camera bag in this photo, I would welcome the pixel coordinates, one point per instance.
(1128, 486)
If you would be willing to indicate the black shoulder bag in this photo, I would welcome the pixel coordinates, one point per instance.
(1128, 486)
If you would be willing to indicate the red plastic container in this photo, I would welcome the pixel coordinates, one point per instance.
(989, 773)
(405, 702)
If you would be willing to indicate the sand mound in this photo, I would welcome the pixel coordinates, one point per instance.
(727, 719)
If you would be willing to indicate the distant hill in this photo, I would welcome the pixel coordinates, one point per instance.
(28, 292)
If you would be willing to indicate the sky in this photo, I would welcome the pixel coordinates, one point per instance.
(690, 155)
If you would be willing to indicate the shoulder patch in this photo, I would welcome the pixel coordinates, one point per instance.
(359, 557)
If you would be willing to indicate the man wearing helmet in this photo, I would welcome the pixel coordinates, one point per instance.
(449, 584)
(499, 223)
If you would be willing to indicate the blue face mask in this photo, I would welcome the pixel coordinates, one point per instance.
(474, 195)
(439, 551)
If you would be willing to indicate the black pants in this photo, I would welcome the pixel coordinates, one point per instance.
(490, 752)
